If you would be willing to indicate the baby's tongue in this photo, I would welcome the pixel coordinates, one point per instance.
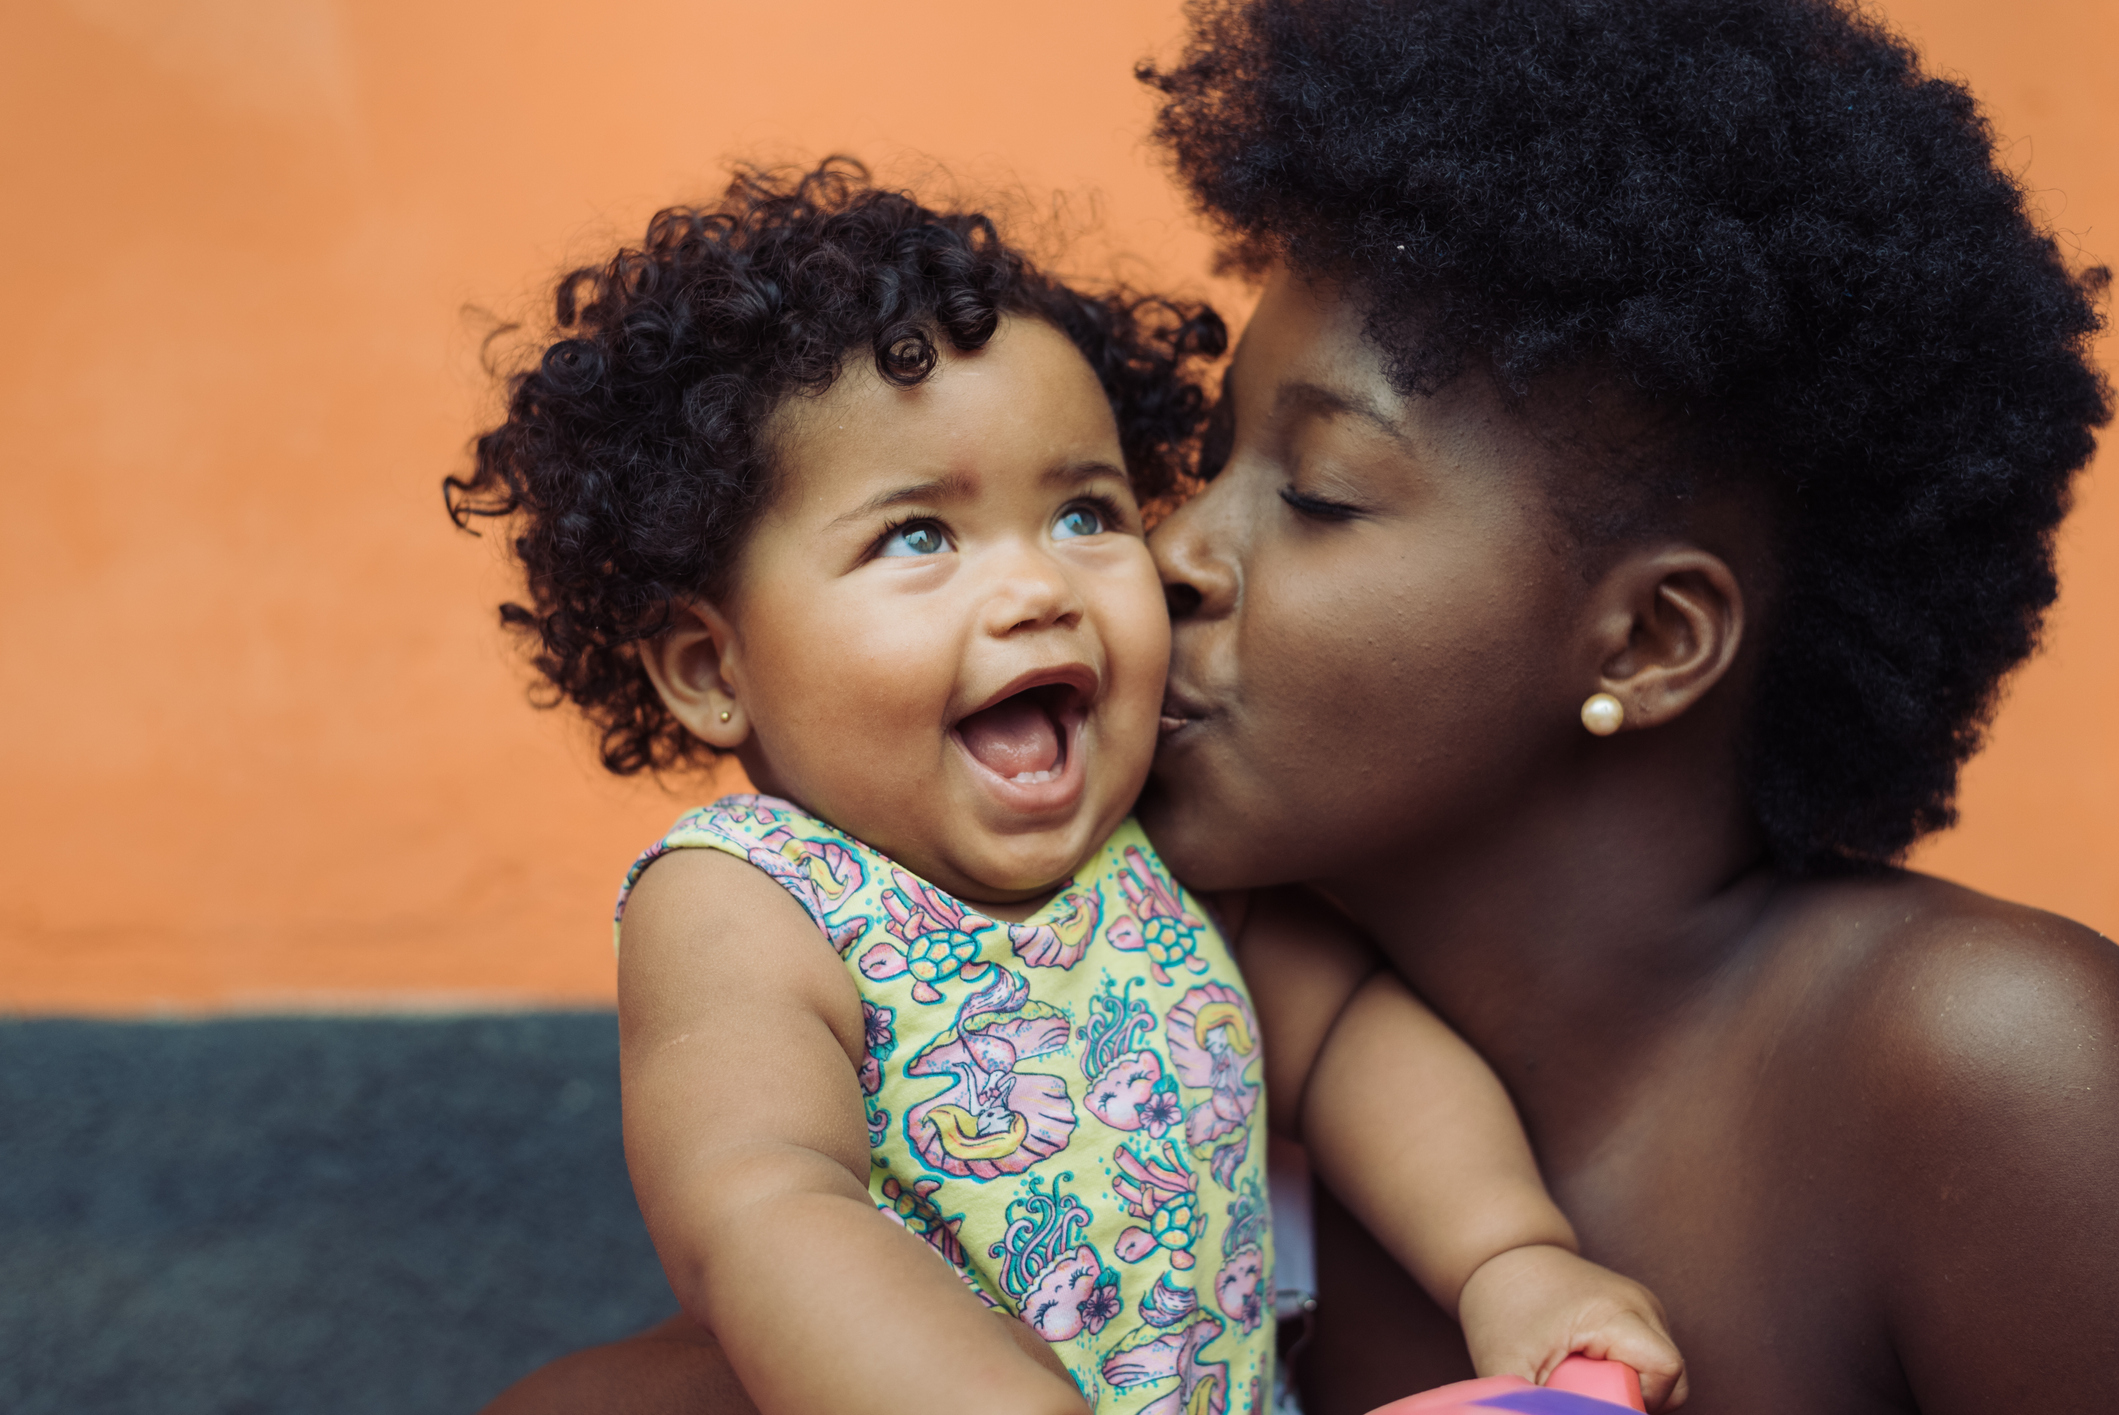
(1012, 737)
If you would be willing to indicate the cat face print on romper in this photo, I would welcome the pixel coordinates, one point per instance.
(1057, 1107)
(1060, 1284)
(1130, 1087)
(1239, 1287)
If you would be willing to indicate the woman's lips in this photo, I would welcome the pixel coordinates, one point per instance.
(1180, 710)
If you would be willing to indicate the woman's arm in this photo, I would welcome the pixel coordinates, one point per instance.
(740, 1039)
(1983, 1120)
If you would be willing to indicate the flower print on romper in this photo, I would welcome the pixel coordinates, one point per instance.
(880, 1039)
(1061, 943)
(1160, 1353)
(993, 1120)
(937, 939)
(1162, 929)
(1240, 1286)
(1129, 1087)
(821, 874)
(1159, 1188)
(1060, 1286)
(1213, 1041)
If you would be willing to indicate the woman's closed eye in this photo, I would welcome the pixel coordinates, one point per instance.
(1317, 508)
(913, 538)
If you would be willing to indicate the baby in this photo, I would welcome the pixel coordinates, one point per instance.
(940, 1093)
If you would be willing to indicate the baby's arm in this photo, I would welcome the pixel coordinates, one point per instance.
(740, 1041)
(1416, 1136)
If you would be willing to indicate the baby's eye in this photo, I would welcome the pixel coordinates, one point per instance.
(1078, 521)
(914, 538)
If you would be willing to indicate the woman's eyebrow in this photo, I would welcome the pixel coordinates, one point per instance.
(1302, 396)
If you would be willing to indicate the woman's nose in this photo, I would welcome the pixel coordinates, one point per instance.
(1193, 557)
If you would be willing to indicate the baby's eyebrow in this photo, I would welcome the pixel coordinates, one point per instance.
(1075, 473)
(952, 487)
(956, 486)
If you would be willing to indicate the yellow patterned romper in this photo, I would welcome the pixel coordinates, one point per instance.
(1068, 1109)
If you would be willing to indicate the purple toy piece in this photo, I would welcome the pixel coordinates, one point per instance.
(1544, 1400)
(1577, 1386)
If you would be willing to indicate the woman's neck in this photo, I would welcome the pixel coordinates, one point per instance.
(1571, 940)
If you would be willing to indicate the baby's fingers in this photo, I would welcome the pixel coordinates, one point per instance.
(1642, 1343)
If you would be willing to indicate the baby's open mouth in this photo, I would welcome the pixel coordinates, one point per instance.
(1023, 737)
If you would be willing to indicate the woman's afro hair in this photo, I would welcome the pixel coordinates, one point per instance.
(1766, 218)
(633, 460)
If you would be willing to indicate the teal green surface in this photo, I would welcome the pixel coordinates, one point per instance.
(314, 1215)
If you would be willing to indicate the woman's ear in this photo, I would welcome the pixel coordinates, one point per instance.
(1668, 627)
(695, 667)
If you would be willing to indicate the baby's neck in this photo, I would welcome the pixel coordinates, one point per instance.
(1018, 910)
(1006, 911)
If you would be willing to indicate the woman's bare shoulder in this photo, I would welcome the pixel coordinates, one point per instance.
(1957, 976)
(1911, 984)
(1965, 1076)
(1970, 1037)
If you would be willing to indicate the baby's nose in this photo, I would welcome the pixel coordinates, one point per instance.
(1033, 592)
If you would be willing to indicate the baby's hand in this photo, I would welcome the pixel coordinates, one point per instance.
(1528, 1309)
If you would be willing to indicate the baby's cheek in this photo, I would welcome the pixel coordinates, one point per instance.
(858, 699)
(1136, 631)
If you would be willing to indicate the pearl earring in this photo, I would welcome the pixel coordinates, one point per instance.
(724, 715)
(1603, 714)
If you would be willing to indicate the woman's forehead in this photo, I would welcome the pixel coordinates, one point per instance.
(1307, 351)
(1310, 331)
(1306, 356)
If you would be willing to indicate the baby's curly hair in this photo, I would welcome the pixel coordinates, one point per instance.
(633, 461)
(1766, 218)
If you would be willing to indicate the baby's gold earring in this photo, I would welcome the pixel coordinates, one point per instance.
(724, 714)
(1603, 714)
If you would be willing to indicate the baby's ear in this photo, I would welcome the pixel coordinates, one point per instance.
(692, 665)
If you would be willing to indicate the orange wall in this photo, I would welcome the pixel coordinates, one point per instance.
(264, 746)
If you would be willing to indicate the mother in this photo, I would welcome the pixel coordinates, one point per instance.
(1697, 353)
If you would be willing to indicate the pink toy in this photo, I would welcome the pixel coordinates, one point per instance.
(1578, 1386)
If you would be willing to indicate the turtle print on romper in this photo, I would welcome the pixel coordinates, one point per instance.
(1069, 1110)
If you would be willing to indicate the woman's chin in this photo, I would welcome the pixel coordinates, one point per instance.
(1185, 831)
